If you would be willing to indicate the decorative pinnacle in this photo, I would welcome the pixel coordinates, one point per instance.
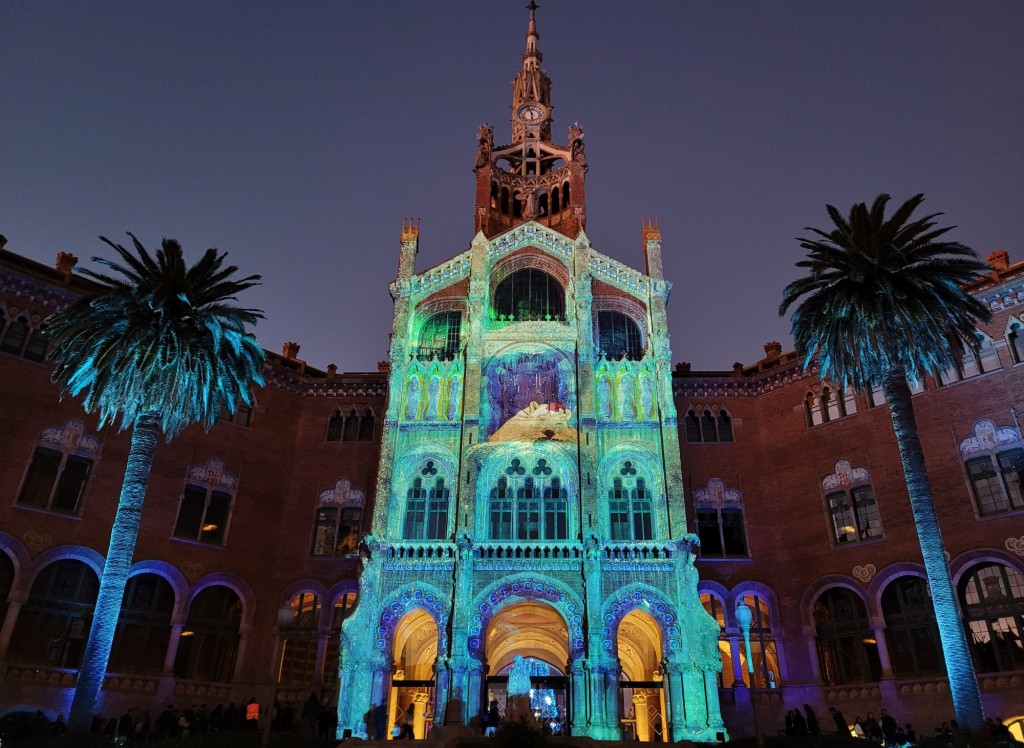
(532, 36)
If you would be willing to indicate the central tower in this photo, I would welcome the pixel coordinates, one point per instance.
(531, 179)
(529, 498)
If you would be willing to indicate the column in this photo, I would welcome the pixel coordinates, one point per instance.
(643, 731)
(735, 644)
(677, 707)
(13, 609)
(172, 648)
(579, 675)
(419, 718)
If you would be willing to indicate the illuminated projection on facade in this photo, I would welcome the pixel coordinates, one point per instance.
(529, 500)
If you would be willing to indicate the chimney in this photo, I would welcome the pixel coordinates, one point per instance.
(410, 245)
(652, 246)
(998, 260)
(332, 371)
(384, 367)
(772, 349)
(3, 241)
(290, 350)
(737, 368)
(65, 264)
(683, 367)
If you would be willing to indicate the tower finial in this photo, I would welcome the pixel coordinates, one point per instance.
(532, 56)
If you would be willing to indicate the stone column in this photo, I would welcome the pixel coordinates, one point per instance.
(419, 717)
(172, 648)
(735, 643)
(579, 672)
(810, 636)
(643, 731)
(676, 706)
(13, 609)
(243, 639)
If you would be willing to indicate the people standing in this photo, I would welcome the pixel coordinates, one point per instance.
(841, 725)
(889, 726)
(380, 721)
(407, 731)
(812, 721)
(310, 715)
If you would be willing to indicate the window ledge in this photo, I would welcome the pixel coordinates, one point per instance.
(741, 559)
(48, 512)
(199, 543)
(998, 515)
(858, 543)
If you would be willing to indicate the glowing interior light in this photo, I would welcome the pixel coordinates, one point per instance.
(209, 528)
(188, 632)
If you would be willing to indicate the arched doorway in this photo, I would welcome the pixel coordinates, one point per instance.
(537, 632)
(641, 692)
(411, 698)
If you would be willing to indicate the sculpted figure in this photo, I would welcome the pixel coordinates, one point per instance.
(604, 398)
(412, 398)
(433, 396)
(519, 677)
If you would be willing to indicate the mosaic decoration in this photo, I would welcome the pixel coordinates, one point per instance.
(864, 573)
(528, 589)
(845, 476)
(987, 436)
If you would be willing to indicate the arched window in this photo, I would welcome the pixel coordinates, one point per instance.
(15, 336)
(1015, 341)
(762, 646)
(366, 426)
(847, 648)
(53, 624)
(59, 472)
(565, 195)
(529, 503)
(910, 631)
(209, 641)
(529, 295)
(721, 526)
(504, 200)
(440, 336)
(426, 507)
(299, 642)
(494, 195)
(555, 204)
(992, 601)
(618, 335)
(693, 433)
(143, 627)
(715, 609)
(337, 527)
(205, 508)
(38, 342)
(542, 204)
(994, 461)
(351, 430)
(852, 508)
(335, 425)
(342, 609)
(708, 427)
(630, 506)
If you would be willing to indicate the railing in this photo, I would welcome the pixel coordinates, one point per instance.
(51, 676)
(428, 550)
(638, 551)
(518, 549)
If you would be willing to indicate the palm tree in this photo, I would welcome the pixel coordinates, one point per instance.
(884, 301)
(156, 346)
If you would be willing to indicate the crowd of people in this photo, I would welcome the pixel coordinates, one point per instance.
(885, 730)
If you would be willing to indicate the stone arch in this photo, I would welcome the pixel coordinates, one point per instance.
(637, 595)
(526, 586)
(341, 588)
(531, 257)
(20, 559)
(818, 586)
(306, 585)
(762, 591)
(885, 577)
(88, 556)
(964, 561)
(616, 455)
(236, 584)
(173, 576)
(413, 595)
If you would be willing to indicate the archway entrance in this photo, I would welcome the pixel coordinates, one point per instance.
(411, 699)
(537, 632)
(641, 690)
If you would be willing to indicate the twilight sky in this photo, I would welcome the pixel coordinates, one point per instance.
(297, 135)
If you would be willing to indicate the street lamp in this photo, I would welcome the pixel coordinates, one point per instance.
(285, 615)
(743, 616)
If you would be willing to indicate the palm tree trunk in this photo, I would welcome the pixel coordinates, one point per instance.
(123, 534)
(963, 684)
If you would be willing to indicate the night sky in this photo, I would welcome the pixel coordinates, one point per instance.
(296, 136)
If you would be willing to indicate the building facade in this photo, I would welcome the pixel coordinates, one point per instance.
(527, 474)
(529, 492)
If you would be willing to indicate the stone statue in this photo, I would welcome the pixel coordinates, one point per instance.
(433, 398)
(604, 398)
(485, 139)
(519, 677)
(454, 397)
(646, 397)
(412, 398)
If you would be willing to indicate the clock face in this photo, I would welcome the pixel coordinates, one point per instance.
(531, 113)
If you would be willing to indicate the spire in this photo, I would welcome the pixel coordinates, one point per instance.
(532, 56)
